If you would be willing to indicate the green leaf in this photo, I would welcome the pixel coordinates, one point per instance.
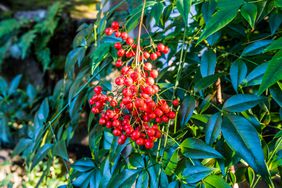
(238, 72)
(73, 57)
(44, 56)
(183, 6)
(125, 178)
(255, 77)
(278, 3)
(186, 110)
(275, 21)
(157, 11)
(208, 62)
(172, 164)
(43, 111)
(25, 42)
(5, 135)
(242, 102)
(193, 174)
(249, 12)
(205, 82)
(40, 154)
(273, 72)
(197, 149)
(256, 48)
(276, 94)
(214, 181)
(227, 11)
(22, 145)
(14, 84)
(9, 25)
(31, 92)
(242, 137)
(213, 128)
(143, 180)
(275, 45)
(60, 150)
(83, 165)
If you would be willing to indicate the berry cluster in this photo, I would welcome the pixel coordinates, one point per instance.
(134, 109)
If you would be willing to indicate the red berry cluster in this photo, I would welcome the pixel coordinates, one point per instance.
(134, 109)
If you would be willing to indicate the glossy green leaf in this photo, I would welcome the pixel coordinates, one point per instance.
(60, 150)
(242, 102)
(83, 165)
(227, 11)
(275, 45)
(14, 84)
(208, 62)
(255, 76)
(143, 180)
(276, 94)
(243, 138)
(73, 57)
(213, 128)
(256, 48)
(157, 11)
(275, 21)
(172, 164)
(197, 149)
(249, 12)
(5, 135)
(214, 181)
(273, 72)
(194, 174)
(22, 145)
(205, 82)
(31, 92)
(186, 110)
(183, 6)
(238, 72)
(125, 178)
(41, 154)
(43, 111)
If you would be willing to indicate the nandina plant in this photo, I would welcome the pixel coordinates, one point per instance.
(194, 99)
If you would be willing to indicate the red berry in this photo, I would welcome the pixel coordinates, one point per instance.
(118, 45)
(118, 63)
(118, 34)
(149, 144)
(98, 89)
(120, 140)
(166, 50)
(102, 121)
(116, 132)
(109, 31)
(158, 112)
(148, 66)
(171, 115)
(153, 56)
(175, 102)
(113, 103)
(115, 25)
(146, 55)
(124, 35)
(129, 41)
(140, 141)
(165, 119)
(128, 81)
(158, 53)
(151, 132)
(120, 52)
(160, 47)
(154, 73)
(150, 81)
(135, 135)
(158, 134)
(119, 81)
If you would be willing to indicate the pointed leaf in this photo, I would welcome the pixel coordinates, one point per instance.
(157, 11)
(205, 82)
(256, 48)
(208, 63)
(275, 45)
(43, 111)
(213, 128)
(172, 164)
(273, 72)
(255, 77)
(242, 102)
(238, 72)
(183, 6)
(214, 181)
(193, 174)
(14, 84)
(143, 180)
(249, 12)
(197, 149)
(60, 150)
(40, 154)
(186, 110)
(243, 138)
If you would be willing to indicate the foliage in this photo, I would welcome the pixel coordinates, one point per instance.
(224, 65)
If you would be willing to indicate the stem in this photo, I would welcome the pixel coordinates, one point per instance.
(139, 34)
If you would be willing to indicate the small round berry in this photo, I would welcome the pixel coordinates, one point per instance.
(151, 132)
(109, 31)
(115, 25)
(118, 45)
(102, 121)
(158, 112)
(120, 140)
(160, 47)
(153, 56)
(129, 41)
(158, 53)
(98, 89)
(148, 66)
(150, 81)
(118, 34)
(175, 102)
(171, 115)
(121, 52)
(149, 144)
(154, 73)
(166, 50)
(119, 81)
(140, 141)
(116, 132)
(124, 35)
(146, 55)
(118, 63)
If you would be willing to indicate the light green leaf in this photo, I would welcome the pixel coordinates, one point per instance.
(214, 181)
(273, 72)
(243, 138)
(249, 12)
(25, 42)
(172, 164)
(183, 6)
(275, 45)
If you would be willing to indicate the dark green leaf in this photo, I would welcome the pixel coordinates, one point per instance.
(40, 154)
(157, 11)
(31, 92)
(275, 45)
(205, 82)
(22, 145)
(143, 180)
(242, 137)
(275, 21)
(137, 160)
(242, 102)
(208, 62)
(255, 77)
(5, 135)
(60, 150)
(43, 111)
(256, 48)
(83, 165)
(213, 128)
(249, 12)
(125, 178)
(238, 72)
(278, 3)
(197, 149)
(193, 174)
(273, 72)
(276, 94)
(214, 181)
(186, 110)
(74, 56)
(14, 84)
(183, 7)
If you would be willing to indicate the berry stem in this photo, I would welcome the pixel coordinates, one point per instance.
(139, 34)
